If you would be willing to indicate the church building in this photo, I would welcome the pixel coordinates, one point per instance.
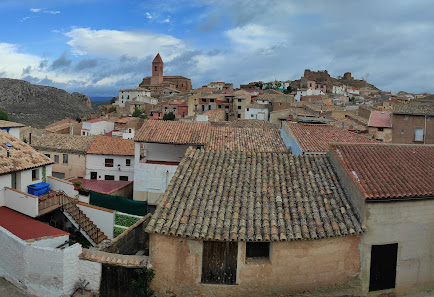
(157, 82)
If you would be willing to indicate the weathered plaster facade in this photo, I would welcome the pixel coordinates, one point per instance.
(294, 266)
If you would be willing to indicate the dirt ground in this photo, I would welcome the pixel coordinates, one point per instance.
(9, 290)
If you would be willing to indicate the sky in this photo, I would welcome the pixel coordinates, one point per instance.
(97, 47)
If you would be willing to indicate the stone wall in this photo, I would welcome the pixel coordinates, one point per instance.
(293, 267)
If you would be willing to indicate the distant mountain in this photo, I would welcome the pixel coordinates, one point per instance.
(94, 99)
(39, 106)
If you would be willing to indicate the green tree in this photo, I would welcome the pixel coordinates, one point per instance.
(3, 116)
(112, 109)
(138, 113)
(112, 100)
(169, 116)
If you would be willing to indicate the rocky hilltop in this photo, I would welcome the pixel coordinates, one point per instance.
(39, 106)
(324, 77)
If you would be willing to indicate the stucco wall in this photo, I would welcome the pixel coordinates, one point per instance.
(22, 202)
(57, 184)
(91, 273)
(40, 271)
(51, 241)
(76, 166)
(96, 163)
(290, 141)
(104, 219)
(411, 225)
(151, 181)
(403, 130)
(293, 267)
(5, 181)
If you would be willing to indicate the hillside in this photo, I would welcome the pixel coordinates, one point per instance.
(39, 106)
(324, 77)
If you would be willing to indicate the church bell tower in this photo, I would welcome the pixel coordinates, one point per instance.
(157, 70)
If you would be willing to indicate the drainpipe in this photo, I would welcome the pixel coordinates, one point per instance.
(424, 132)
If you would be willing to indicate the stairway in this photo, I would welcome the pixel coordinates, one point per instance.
(82, 222)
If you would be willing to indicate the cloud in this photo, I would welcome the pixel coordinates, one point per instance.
(86, 64)
(114, 43)
(61, 62)
(35, 9)
(148, 16)
(166, 20)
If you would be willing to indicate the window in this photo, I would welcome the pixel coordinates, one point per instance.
(402, 131)
(406, 117)
(239, 107)
(35, 174)
(65, 158)
(380, 129)
(251, 115)
(109, 177)
(130, 130)
(239, 100)
(48, 155)
(128, 162)
(211, 100)
(247, 109)
(220, 106)
(82, 133)
(219, 262)
(258, 250)
(56, 158)
(418, 134)
(108, 162)
(155, 68)
(93, 175)
(123, 177)
(239, 116)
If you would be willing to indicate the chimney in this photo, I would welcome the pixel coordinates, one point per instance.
(30, 138)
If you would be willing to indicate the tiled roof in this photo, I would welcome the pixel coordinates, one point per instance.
(274, 97)
(102, 186)
(21, 156)
(113, 259)
(216, 115)
(65, 123)
(246, 139)
(316, 138)
(252, 124)
(65, 143)
(104, 145)
(173, 132)
(25, 227)
(416, 109)
(247, 196)
(389, 171)
(8, 124)
(380, 119)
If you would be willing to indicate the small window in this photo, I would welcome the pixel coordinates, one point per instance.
(406, 117)
(251, 115)
(65, 158)
(380, 129)
(418, 134)
(239, 116)
(56, 158)
(48, 155)
(258, 250)
(128, 162)
(211, 100)
(402, 131)
(130, 130)
(109, 177)
(108, 162)
(220, 106)
(247, 109)
(82, 133)
(35, 174)
(123, 177)
(239, 100)
(239, 107)
(155, 68)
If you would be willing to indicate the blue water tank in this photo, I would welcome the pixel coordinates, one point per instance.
(38, 189)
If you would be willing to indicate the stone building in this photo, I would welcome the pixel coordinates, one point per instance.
(413, 123)
(157, 82)
(379, 126)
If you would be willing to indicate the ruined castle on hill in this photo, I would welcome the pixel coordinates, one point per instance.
(347, 79)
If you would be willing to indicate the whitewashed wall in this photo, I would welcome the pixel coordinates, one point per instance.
(105, 220)
(52, 242)
(22, 202)
(5, 181)
(57, 184)
(91, 272)
(256, 113)
(96, 163)
(41, 271)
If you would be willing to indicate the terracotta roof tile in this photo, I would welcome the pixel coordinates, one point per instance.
(252, 124)
(216, 115)
(380, 119)
(63, 143)
(102, 186)
(247, 196)
(173, 132)
(104, 145)
(415, 109)
(21, 155)
(8, 124)
(246, 139)
(316, 138)
(388, 171)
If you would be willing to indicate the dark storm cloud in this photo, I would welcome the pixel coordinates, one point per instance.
(61, 62)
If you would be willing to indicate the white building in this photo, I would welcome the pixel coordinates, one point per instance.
(96, 127)
(353, 91)
(159, 147)
(337, 89)
(137, 94)
(307, 92)
(11, 127)
(110, 158)
(257, 111)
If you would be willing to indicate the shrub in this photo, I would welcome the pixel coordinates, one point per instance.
(124, 220)
(3, 116)
(118, 231)
(169, 116)
(139, 287)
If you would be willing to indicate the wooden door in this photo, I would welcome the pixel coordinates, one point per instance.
(219, 262)
(383, 267)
